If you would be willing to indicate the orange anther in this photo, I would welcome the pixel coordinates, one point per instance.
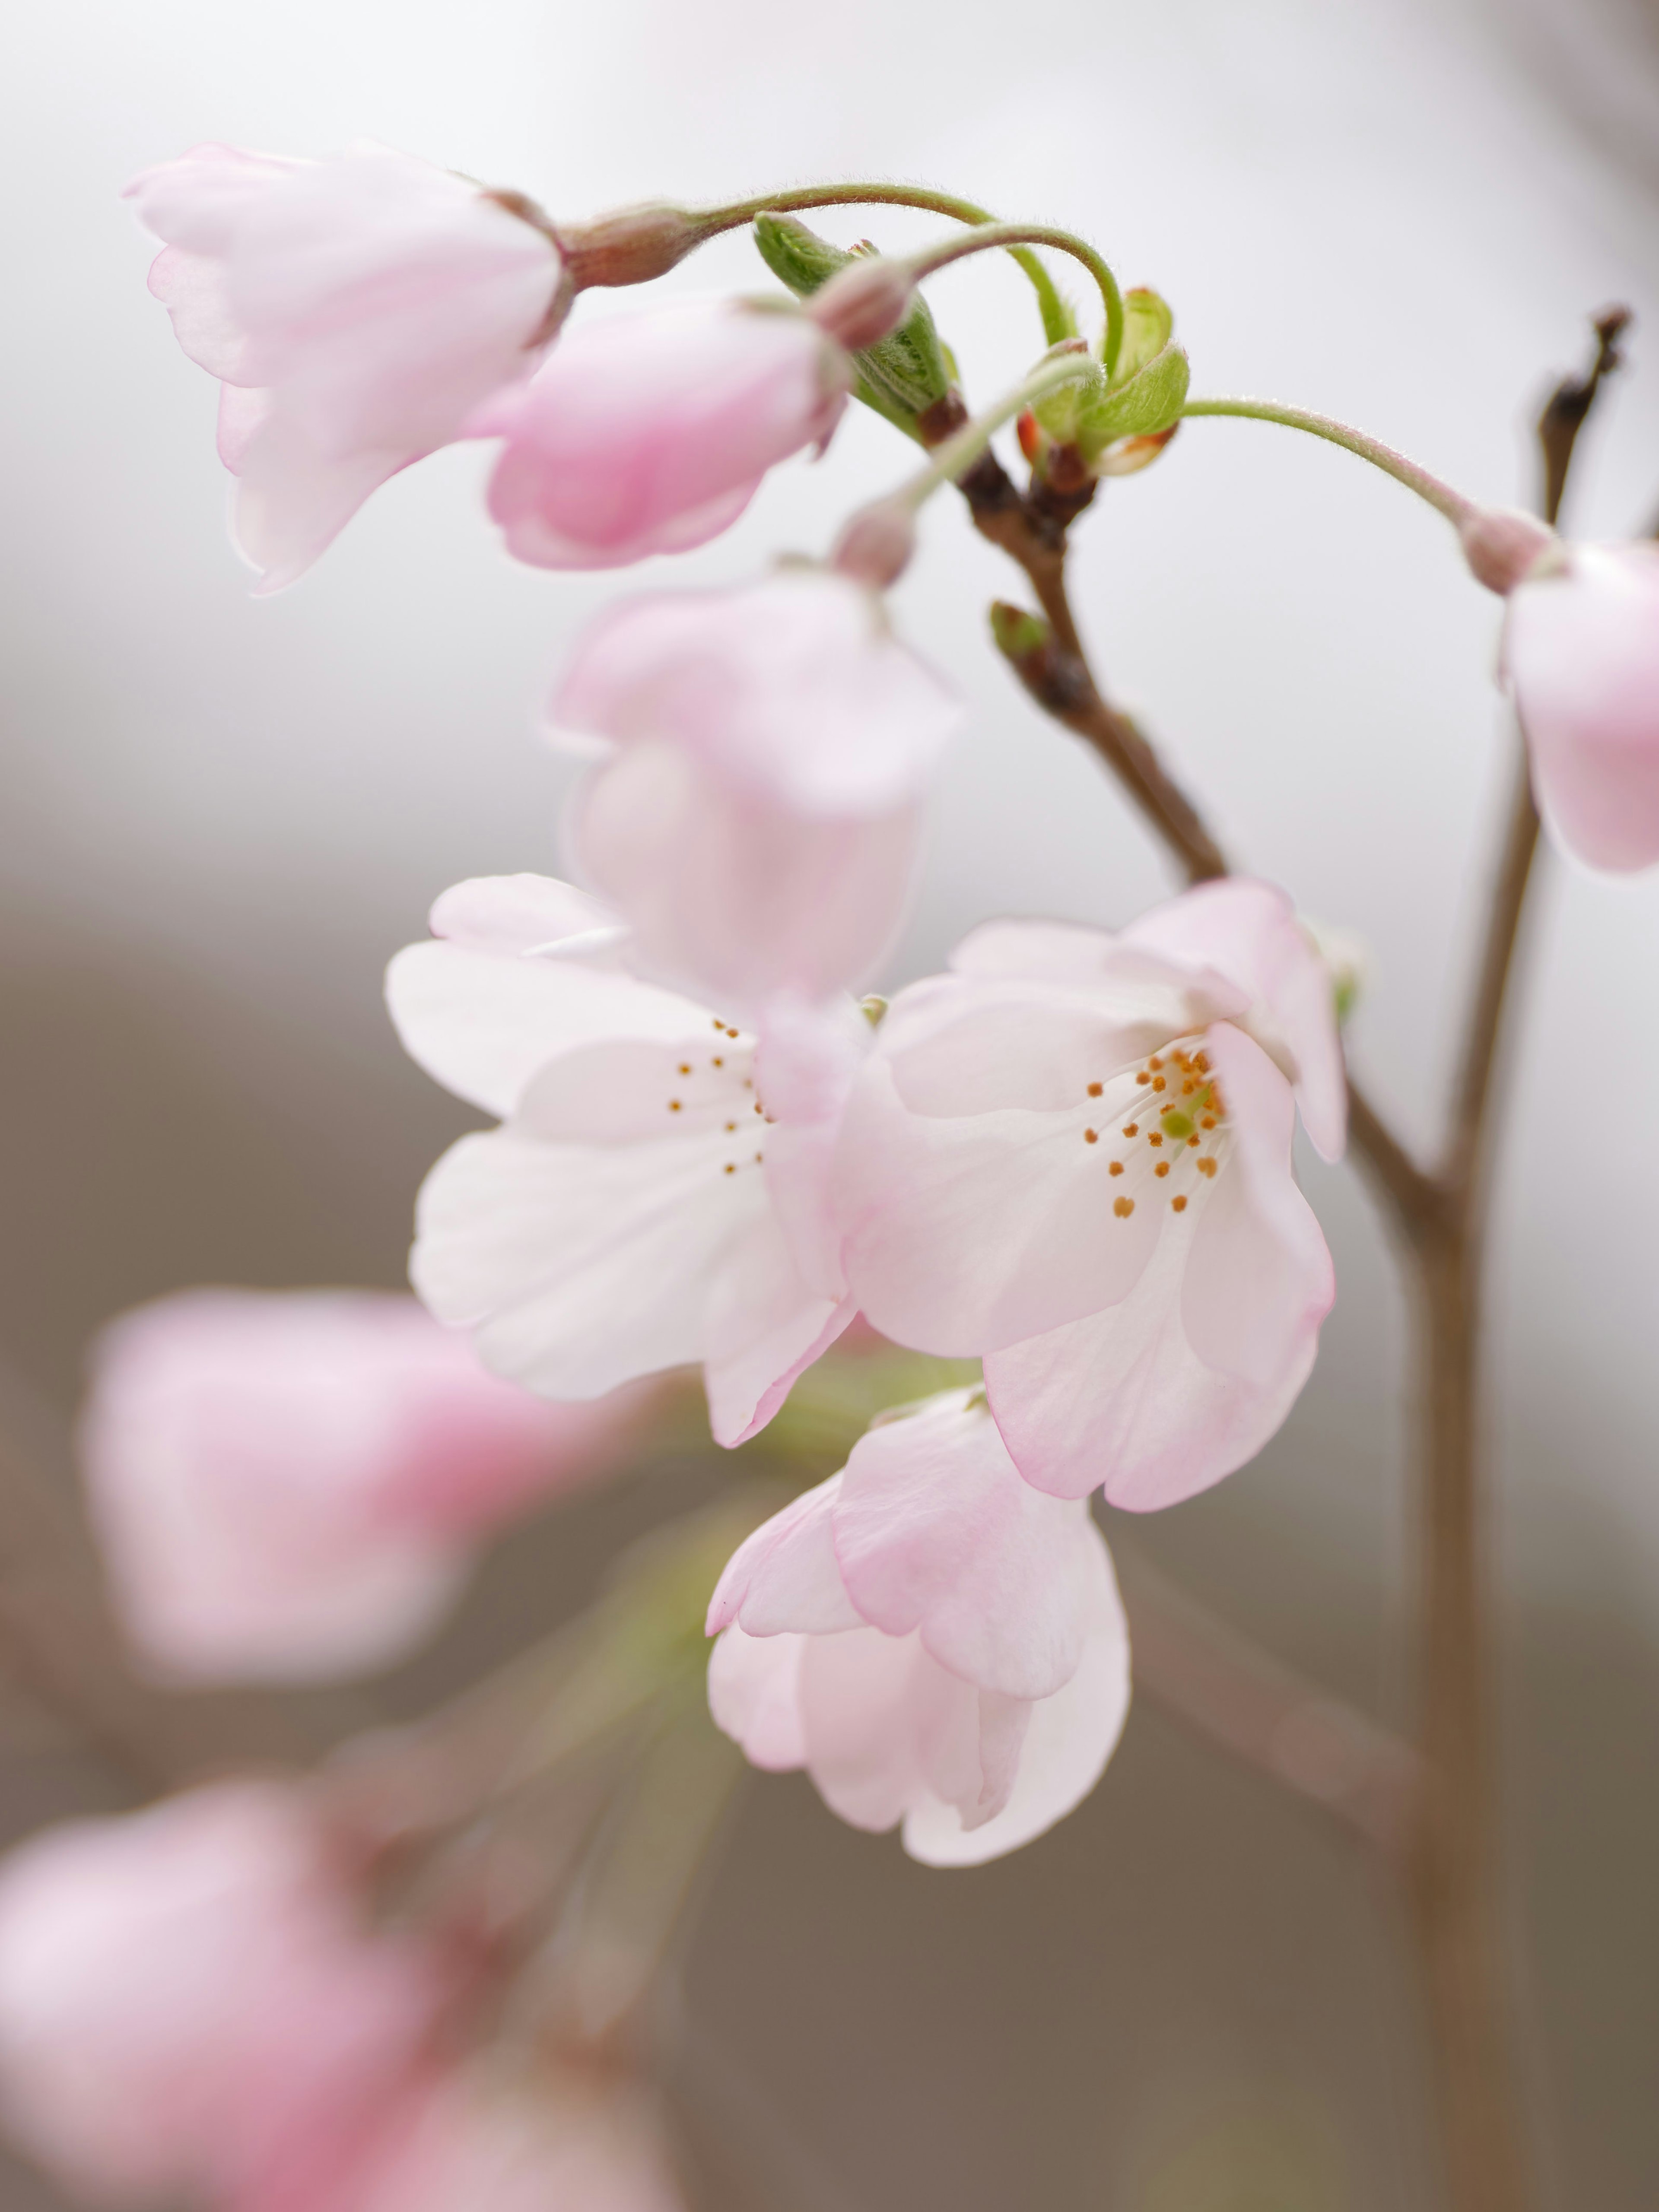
(1123, 1207)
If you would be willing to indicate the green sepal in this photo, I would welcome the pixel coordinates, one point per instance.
(1148, 326)
(1150, 400)
(901, 375)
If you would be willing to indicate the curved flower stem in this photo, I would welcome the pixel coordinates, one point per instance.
(1063, 241)
(1440, 496)
(1056, 320)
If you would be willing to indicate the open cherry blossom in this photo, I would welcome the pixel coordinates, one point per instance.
(357, 310)
(650, 434)
(1580, 654)
(189, 2008)
(758, 819)
(1072, 1156)
(621, 1219)
(935, 1641)
(288, 1486)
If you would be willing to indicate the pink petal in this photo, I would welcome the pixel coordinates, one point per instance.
(1067, 1740)
(481, 1012)
(1248, 931)
(935, 1532)
(649, 434)
(966, 1233)
(753, 1697)
(737, 899)
(792, 691)
(1581, 650)
(1161, 1396)
(766, 1326)
(292, 499)
(784, 1579)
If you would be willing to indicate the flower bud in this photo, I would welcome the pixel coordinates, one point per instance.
(630, 245)
(1502, 546)
(866, 302)
(907, 376)
(876, 544)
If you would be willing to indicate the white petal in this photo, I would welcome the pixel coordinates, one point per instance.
(784, 1578)
(753, 1697)
(1068, 1740)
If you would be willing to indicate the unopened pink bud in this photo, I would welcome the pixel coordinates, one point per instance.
(864, 302)
(630, 245)
(876, 546)
(1502, 546)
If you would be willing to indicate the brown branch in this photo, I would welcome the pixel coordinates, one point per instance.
(1333, 1759)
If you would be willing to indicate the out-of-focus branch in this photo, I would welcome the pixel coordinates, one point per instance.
(1328, 1755)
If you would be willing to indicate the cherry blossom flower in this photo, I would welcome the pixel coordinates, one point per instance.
(561, 2139)
(189, 2008)
(357, 310)
(1072, 1156)
(757, 819)
(290, 1486)
(621, 1221)
(1581, 654)
(650, 434)
(935, 1641)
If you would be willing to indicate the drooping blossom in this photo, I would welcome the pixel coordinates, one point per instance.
(650, 434)
(936, 1642)
(356, 311)
(1072, 1156)
(757, 819)
(1581, 654)
(621, 1221)
(189, 2008)
(558, 2140)
(288, 1486)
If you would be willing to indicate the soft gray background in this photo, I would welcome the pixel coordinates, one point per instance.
(221, 816)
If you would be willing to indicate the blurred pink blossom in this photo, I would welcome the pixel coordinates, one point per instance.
(188, 2008)
(290, 1484)
(357, 310)
(758, 819)
(622, 1220)
(933, 1640)
(1072, 1156)
(651, 433)
(1581, 654)
(560, 2141)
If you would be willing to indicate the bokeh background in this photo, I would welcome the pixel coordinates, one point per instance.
(220, 817)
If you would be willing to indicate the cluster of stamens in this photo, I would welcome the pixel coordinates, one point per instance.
(717, 1061)
(1180, 1122)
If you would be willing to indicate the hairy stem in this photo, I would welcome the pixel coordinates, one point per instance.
(1056, 319)
(925, 262)
(1440, 496)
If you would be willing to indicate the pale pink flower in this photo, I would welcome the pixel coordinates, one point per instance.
(1072, 1156)
(758, 819)
(622, 1220)
(357, 311)
(555, 2141)
(1581, 654)
(650, 434)
(189, 2008)
(290, 1485)
(935, 1641)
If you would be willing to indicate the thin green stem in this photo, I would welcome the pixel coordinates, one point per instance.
(963, 447)
(1038, 234)
(1440, 496)
(1056, 319)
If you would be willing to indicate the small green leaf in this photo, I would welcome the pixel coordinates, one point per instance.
(1016, 633)
(903, 373)
(1151, 401)
(1147, 326)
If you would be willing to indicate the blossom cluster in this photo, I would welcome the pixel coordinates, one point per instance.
(1068, 1158)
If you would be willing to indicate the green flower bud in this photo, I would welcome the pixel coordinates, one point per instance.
(901, 375)
(1148, 324)
(1017, 634)
(1150, 400)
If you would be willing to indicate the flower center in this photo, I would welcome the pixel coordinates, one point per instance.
(711, 1096)
(1164, 1135)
